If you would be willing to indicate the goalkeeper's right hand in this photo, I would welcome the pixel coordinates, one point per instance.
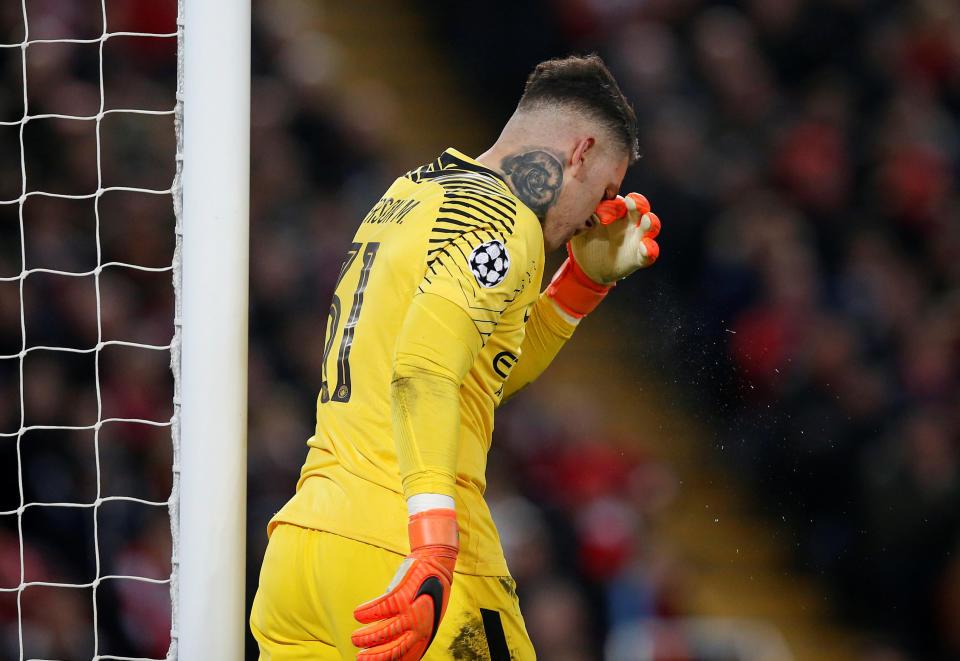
(621, 240)
(403, 622)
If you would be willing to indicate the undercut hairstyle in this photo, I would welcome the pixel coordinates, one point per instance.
(583, 84)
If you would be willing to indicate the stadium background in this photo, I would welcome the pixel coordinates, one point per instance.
(765, 425)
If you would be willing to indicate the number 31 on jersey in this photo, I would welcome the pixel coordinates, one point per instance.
(342, 392)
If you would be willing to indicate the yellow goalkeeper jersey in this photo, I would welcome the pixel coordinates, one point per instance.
(451, 228)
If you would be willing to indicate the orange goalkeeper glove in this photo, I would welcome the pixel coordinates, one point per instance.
(620, 242)
(402, 623)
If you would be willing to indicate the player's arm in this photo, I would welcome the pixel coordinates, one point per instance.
(621, 242)
(547, 330)
(455, 308)
(438, 344)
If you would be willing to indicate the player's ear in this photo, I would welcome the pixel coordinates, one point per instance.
(583, 148)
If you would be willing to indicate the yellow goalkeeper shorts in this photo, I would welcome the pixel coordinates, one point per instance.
(311, 581)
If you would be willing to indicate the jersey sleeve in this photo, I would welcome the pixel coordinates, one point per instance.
(546, 333)
(476, 258)
(435, 350)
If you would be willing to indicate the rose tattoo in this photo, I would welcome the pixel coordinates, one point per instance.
(535, 178)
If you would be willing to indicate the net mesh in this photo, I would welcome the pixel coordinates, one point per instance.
(88, 328)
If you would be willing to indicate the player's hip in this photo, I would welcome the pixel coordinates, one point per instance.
(348, 505)
(312, 580)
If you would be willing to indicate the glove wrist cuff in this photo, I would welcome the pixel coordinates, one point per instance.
(574, 291)
(436, 527)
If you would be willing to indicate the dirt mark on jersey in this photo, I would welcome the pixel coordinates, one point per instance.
(508, 586)
(470, 644)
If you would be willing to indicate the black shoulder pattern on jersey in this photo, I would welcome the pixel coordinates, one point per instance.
(473, 196)
(477, 206)
(446, 264)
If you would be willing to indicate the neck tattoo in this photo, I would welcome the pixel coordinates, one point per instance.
(535, 177)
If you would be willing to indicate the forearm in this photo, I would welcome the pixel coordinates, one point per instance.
(425, 410)
(437, 346)
(547, 330)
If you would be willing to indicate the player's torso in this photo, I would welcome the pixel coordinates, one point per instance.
(400, 249)
(377, 281)
(382, 272)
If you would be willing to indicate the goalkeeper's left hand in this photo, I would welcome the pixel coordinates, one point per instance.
(621, 240)
(403, 622)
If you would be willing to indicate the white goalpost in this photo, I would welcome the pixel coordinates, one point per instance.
(97, 591)
(215, 66)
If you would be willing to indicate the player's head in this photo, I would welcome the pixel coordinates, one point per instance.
(583, 85)
(568, 144)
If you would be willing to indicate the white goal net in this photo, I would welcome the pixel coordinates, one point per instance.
(91, 120)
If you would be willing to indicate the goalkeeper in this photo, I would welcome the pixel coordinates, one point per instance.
(387, 551)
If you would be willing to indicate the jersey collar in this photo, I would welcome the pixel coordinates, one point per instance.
(453, 156)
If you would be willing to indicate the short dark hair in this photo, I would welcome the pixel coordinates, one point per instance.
(583, 83)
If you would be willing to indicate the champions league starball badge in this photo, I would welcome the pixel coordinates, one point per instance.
(490, 263)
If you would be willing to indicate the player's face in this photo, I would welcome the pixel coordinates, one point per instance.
(586, 184)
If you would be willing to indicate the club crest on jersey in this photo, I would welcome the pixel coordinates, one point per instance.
(490, 263)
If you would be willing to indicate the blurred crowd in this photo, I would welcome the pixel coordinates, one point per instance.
(804, 157)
